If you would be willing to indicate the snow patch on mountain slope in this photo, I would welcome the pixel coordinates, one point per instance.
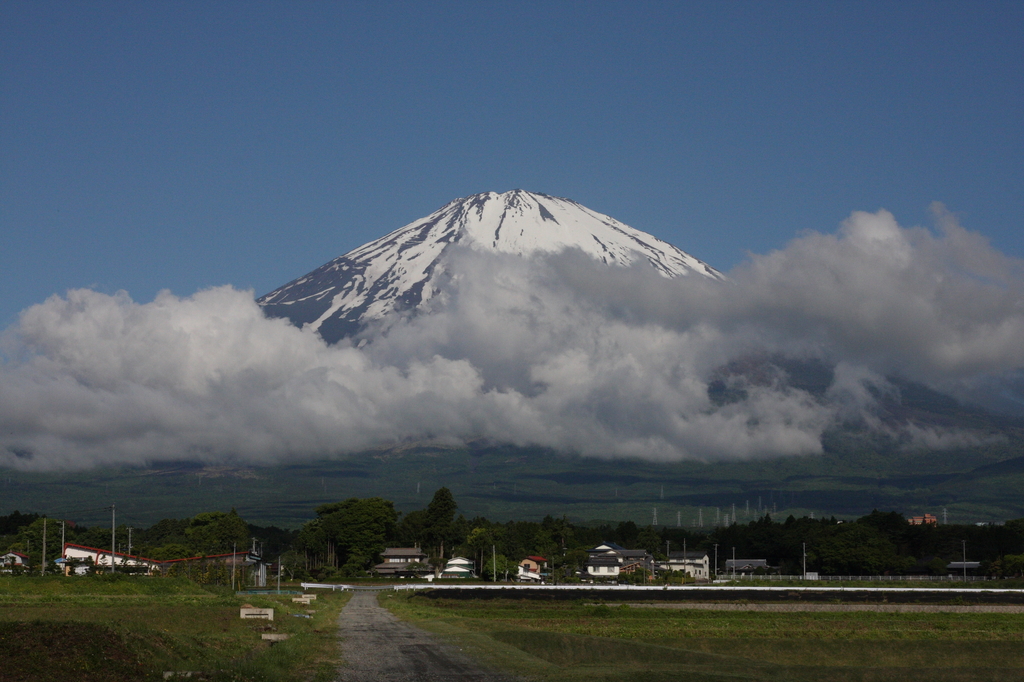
(400, 271)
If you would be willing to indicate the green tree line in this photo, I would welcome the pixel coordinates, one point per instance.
(346, 539)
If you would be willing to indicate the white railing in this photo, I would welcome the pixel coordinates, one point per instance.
(739, 589)
(855, 578)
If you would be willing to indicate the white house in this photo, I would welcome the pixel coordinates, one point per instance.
(695, 564)
(12, 558)
(458, 567)
(83, 557)
(609, 560)
(101, 557)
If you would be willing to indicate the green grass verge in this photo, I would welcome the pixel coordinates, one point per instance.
(574, 641)
(94, 630)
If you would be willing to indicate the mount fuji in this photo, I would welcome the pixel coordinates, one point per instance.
(403, 270)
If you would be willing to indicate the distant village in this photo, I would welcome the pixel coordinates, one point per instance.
(368, 538)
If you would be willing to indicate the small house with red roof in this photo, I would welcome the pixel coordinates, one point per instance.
(532, 569)
(12, 559)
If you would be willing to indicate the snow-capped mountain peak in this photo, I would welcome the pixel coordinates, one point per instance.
(395, 272)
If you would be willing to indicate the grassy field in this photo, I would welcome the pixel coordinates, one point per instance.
(94, 629)
(577, 641)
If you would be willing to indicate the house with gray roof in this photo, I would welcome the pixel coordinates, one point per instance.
(403, 562)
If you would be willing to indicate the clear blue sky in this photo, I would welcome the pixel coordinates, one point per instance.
(182, 145)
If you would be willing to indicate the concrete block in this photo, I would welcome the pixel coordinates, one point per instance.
(275, 637)
(264, 614)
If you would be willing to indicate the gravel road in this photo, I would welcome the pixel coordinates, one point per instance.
(380, 648)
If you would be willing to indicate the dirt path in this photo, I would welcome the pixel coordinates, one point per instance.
(380, 648)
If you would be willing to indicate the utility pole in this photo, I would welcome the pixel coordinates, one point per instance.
(716, 561)
(964, 544)
(805, 560)
(42, 569)
(734, 563)
(113, 537)
(494, 564)
(129, 540)
(234, 562)
(279, 574)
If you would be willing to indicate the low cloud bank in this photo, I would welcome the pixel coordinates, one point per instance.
(561, 352)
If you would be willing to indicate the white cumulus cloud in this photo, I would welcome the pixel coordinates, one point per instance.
(560, 351)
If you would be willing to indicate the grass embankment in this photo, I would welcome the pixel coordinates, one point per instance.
(107, 628)
(574, 641)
